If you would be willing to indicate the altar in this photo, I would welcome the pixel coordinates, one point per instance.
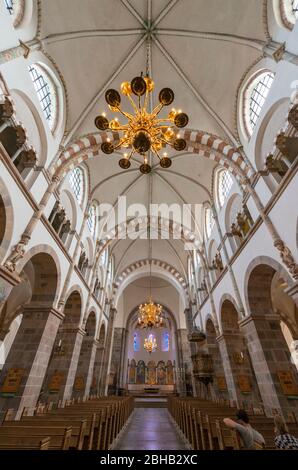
(151, 377)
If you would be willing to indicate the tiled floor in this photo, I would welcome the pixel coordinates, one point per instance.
(150, 429)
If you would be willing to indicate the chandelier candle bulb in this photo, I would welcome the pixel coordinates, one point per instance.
(143, 131)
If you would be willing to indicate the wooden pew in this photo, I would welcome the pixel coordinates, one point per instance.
(94, 423)
(59, 437)
(78, 428)
(24, 443)
(201, 422)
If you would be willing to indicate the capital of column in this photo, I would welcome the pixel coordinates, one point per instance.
(75, 330)
(293, 292)
(11, 278)
(43, 309)
(253, 318)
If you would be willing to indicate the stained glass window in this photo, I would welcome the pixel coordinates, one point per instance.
(165, 342)
(136, 342)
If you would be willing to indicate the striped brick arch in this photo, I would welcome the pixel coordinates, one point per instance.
(143, 263)
(198, 142)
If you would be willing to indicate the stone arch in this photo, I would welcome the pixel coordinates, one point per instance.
(27, 112)
(90, 323)
(275, 118)
(102, 334)
(73, 307)
(266, 283)
(38, 288)
(209, 318)
(229, 315)
(140, 265)
(273, 267)
(73, 288)
(198, 142)
(6, 220)
(233, 203)
(43, 249)
(230, 298)
(33, 342)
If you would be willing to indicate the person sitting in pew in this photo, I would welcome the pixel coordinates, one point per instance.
(251, 438)
(283, 440)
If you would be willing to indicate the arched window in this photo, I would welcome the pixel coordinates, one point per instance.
(225, 183)
(295, 8)
(209, 221)
(256, 96)
(136, 342)
(76, 180)
(9, 6)
(289, 12)
(165, 344)
(91, 221)
(46, 93)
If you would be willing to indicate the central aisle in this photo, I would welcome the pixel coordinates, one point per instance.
(150, 429)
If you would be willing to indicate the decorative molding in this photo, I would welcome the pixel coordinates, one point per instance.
(199, 143)
(143, 263)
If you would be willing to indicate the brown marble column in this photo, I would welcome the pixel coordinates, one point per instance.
(64, 362)
(270, 356)
(97, 369)
(29, 355)
(107, 351)
(229, 370)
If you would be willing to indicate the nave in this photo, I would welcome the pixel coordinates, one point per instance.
(150, 429)
(148, 253)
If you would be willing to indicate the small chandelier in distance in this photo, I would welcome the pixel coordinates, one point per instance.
(150, 344)
(144, 132)
(150, 315)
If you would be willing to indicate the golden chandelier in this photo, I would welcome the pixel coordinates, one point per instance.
(150, 315)
(145, 132)
(150, 344)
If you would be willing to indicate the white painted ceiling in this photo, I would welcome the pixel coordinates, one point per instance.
(199, 48)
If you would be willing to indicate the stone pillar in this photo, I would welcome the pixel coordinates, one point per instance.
(239, 374)
(30, 354)
(192, 346)
(184, 355)
(85, 367)
(107, 351)
(117, 355)
(123, 369)
(229, 370)
(218, 370)
(270, 355)
(64, 361)
(97, 369)
(90, 372)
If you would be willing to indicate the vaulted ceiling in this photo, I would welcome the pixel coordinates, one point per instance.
(201, 49)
